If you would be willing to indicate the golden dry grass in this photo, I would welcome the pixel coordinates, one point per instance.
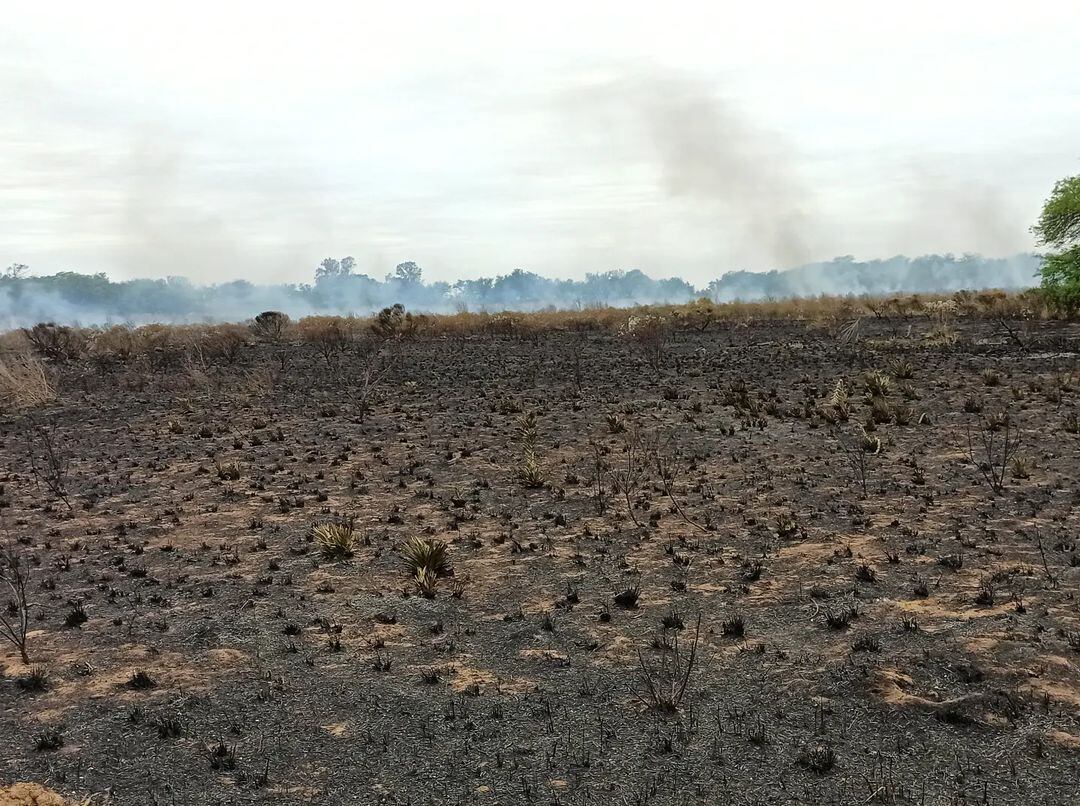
(332, 334)
(26, 794)
(23, 383)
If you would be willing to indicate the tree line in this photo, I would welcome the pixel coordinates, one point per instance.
(338, 287)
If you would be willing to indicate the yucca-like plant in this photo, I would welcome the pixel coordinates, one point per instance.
(908, 391)
(837, 409)
(429, 556)
(527, 427)
(828, 414)
(230, 471)
(335, 540)
(877, 383)
(880, 410)
(530, 473)
(901, 369)
(426, 583)
(902, 415)
(868, 442)
(839, 396)
(972, 405)
(941, 336)
(1020, 468)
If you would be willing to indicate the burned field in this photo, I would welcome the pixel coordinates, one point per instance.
(765, 563)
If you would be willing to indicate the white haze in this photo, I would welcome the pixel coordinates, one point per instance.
(232, 140)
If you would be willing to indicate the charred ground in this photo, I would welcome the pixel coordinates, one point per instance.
(746, 562)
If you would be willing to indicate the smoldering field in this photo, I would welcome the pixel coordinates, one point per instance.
(676, 560)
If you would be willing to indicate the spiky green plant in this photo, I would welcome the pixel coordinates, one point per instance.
(426, 583)
(941, 336)
(1020, 468)
(901, 369)
(230, 471)
(877, 384)
(427, 555)
(880, 410)
(837, 410)
(335, 540)
(527, 426)
(839, 396)
(868, 442)
(529, 472)
(902, 415)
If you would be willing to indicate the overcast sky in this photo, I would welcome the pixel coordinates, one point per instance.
(225, 140)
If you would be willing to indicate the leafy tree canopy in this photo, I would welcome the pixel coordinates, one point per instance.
(1059, 228)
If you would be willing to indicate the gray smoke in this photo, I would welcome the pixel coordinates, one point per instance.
(947, 213)
(133, 193)
(724, 176)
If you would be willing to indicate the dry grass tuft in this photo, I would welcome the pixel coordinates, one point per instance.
(23, 383)
(27, 794)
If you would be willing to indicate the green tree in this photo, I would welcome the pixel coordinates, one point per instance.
(408, 273)
(332, 269)
(1059, 228)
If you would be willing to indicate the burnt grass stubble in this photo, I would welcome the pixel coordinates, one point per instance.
(886, 629)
